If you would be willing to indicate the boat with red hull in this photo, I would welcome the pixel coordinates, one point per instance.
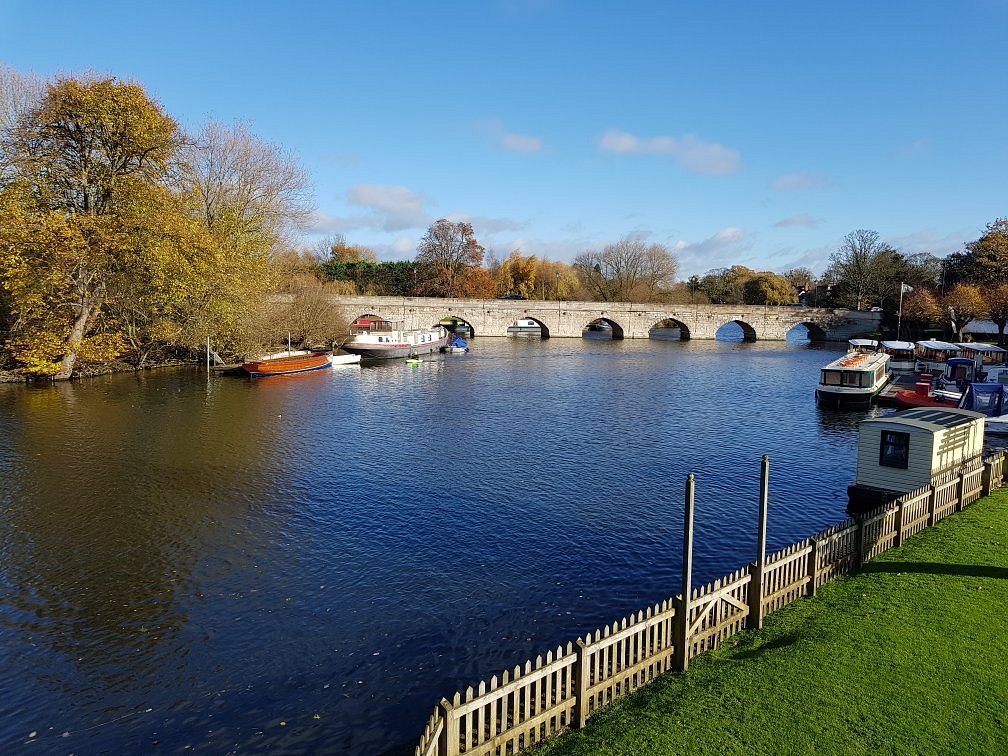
(287, 363)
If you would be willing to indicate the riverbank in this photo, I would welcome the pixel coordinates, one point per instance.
(904, 657)
(91, 371)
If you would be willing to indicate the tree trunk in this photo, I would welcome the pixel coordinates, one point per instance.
(88, 307)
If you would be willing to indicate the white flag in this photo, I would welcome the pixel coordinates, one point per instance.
(905, 288)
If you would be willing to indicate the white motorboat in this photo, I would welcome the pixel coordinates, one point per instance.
(853, 380)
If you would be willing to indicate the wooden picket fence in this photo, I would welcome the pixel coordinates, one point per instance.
(561, 690)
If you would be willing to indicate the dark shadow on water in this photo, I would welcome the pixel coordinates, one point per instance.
(782, 642)
(937, 568)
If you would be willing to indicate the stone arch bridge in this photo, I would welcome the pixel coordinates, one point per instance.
(630, 320)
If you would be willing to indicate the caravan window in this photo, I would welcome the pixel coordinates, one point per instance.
(894, 451)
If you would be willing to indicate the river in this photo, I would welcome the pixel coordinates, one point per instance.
(309, 563)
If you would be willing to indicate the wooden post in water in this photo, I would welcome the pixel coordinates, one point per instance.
(208, 356)
(755, 620)
(683, 612)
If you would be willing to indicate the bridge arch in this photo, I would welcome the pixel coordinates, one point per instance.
(724, 332)
(602, 328)
(815, 331)
(669, 329)
(458, 325)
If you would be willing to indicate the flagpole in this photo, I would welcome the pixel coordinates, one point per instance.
(899, 315)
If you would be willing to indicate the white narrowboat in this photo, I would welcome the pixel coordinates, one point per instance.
(905, 451)
(852, 381)
(378, 339)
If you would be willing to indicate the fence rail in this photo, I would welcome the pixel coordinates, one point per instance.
(563, 689)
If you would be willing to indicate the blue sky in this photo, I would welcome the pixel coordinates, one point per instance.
(732, 132)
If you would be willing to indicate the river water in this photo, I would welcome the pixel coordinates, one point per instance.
(309, 563)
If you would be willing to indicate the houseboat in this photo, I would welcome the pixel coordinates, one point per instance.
(524, 327)
(378, 339)
(853, 380)
(986, 356)
(901, 355)
(931, 355)
(905, 451)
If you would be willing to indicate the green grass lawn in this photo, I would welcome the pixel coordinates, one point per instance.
(909, 656)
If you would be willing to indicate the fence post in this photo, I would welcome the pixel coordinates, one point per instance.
(961, 489)
(900, 513)
(859, 542)
(683, 625)
(932, 505)
(755, 619)
(581, 685)
(985, 479)
(449, 745)
(812, 567)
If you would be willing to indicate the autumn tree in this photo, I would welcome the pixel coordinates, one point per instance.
(77, 160)
(996, 299)
(446, 251)
(517, 274)
(964, 304)
(920, 307)
(769, 289)
(335, 248)
(985, 261)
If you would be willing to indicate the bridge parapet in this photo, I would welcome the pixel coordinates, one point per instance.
(491, 317)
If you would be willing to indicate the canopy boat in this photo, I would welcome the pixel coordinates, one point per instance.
(524, 327)
(931, 355)
(944, 390)
(862, 346)
(286, 363)
(901, 355)
(986, 356)
(853, 380)
(457, 346)
(376, 338)
(990, 400)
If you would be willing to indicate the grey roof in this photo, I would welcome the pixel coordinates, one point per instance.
(927, 418)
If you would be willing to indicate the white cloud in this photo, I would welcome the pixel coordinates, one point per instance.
(723, 249)
(521, 143)
(394, 208)
(804, 220)
(484, 226)
(801, 182)
(693, 154)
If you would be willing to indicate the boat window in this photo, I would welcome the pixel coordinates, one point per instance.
(831, 377)
(851, 378)
(894, 451)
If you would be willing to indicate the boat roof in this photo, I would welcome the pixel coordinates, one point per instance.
(983, 348)
(941, 346)
(863, 342)
(898, 344)
(991, 399)
(927, 418)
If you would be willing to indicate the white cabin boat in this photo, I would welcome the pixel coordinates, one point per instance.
(379, 339)
(932, 355)
(524, 327)
(853, 380)
(902, 357)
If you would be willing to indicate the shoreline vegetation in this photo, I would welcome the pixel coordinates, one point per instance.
(905, 656)
(125, 237)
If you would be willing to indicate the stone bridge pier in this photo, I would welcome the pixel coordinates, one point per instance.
(629, 320)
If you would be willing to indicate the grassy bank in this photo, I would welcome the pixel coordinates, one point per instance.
(909, 656)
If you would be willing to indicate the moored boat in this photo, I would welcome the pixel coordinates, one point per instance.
(932, 355)
(901, 355)
(853, 380)
(524, 327)
(944, 390)
(379, 339)
(991, 401)
(287, 363)
(458, 345)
